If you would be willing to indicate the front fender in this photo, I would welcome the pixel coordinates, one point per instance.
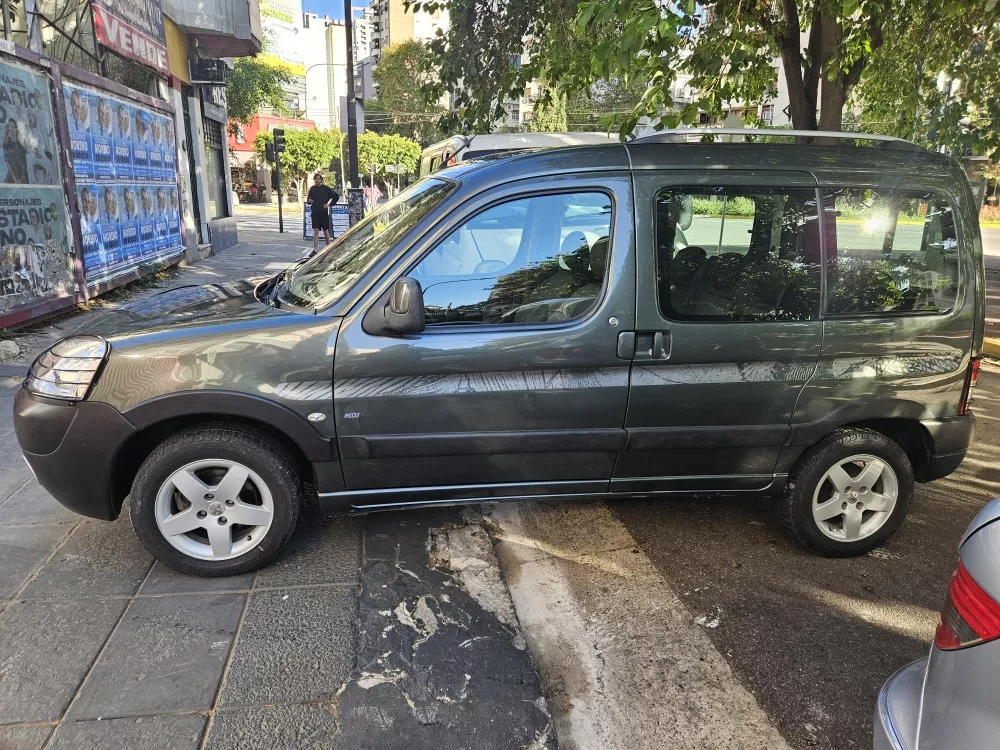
(216, 403)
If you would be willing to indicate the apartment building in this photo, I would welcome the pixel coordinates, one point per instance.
(392, 23)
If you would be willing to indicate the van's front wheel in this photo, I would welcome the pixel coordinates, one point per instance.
(848, 494)
(217, 500)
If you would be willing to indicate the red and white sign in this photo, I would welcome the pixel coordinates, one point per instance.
(129, 41)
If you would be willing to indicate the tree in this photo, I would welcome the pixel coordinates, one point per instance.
(306, 151)
(253, 83)
(549, 115)
(400, 107)
(938, 82)
(729, 47)
(604, 98)
(376, 152)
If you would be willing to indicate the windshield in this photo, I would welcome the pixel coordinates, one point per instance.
(323, 279)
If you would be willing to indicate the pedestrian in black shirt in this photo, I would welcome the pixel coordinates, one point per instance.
(321, 197)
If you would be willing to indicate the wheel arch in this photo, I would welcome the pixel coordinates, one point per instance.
(158, 418)
(898, 420)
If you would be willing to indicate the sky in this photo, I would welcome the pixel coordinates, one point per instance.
(332, 8)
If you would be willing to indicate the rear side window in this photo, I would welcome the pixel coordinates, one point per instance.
(738, 254)
(889, 252)
(538, 259)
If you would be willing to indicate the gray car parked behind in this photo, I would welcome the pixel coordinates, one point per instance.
(950, 699)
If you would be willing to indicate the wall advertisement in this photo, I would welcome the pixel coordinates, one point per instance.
(124, 157)
(35, 259)
(133, 28)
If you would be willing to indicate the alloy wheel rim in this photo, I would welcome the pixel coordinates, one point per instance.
(214, 509)
(855, 498)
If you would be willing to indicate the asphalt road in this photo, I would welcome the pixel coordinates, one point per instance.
(815, 638)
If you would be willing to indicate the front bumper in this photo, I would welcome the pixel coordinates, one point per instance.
(897, 711)
(71, 449)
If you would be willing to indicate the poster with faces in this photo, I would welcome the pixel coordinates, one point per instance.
(128, 219)
(122, 143)
(78, 120)
(155, 137)
(101, 137)
(125, 158)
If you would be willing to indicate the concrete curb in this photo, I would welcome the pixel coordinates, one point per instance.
(991, 347)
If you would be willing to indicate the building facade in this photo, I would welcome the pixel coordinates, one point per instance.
(119, 151)
(392, 23)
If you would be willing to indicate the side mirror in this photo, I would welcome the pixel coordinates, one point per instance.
(404, 312)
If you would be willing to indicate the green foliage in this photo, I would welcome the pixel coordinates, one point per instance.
(863, 285)
(737, 206)
(401, 108)
(306, 151)
(603, 98)
(728, 48)
(938, 81)
(549, 115)
(253, 83)
(376, 152)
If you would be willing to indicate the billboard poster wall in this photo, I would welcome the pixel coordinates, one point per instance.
(125, 202)
(35, 260)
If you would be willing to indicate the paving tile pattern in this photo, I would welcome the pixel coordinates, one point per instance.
(100, 647)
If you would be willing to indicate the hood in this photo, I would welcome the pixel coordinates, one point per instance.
(182, 308)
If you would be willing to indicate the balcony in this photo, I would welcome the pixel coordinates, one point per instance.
(224, 28)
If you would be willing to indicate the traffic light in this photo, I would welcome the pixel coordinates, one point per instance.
(279, 140)
(269, 152)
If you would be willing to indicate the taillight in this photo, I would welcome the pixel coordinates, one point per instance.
(971, 378)
(970, 615)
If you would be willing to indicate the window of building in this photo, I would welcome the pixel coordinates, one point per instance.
(541, 259)
(889, 252)
(215, 170)
(728, 254)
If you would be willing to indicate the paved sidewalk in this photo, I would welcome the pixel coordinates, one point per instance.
(361, 635)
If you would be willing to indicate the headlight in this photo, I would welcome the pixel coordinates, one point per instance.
(68, 368)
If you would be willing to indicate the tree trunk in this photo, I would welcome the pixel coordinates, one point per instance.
(833, 94)
(789, 45)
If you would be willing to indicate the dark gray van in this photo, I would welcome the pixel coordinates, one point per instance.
(654, 318)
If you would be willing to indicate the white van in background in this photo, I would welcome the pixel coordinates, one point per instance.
(460, 148)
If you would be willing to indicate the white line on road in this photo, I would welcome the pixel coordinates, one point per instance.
(622, 662)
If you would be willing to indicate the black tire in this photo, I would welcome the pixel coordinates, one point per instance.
(795, 508)
(254, 450)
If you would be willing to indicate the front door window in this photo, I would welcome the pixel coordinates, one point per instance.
(540, 259)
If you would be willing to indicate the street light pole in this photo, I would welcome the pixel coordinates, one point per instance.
(352, 118)
(305, 93)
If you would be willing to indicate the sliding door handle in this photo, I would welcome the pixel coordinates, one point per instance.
(658, 351)
(652, 345)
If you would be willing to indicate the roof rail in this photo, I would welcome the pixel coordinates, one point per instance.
(681, 135)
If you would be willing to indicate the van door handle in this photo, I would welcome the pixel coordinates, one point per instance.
(652, 345)
(626, 345)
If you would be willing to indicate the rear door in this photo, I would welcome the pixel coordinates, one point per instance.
(727, 322)
(515, 387)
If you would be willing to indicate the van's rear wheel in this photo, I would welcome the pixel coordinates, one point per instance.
(848, 494)
(217, 500)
